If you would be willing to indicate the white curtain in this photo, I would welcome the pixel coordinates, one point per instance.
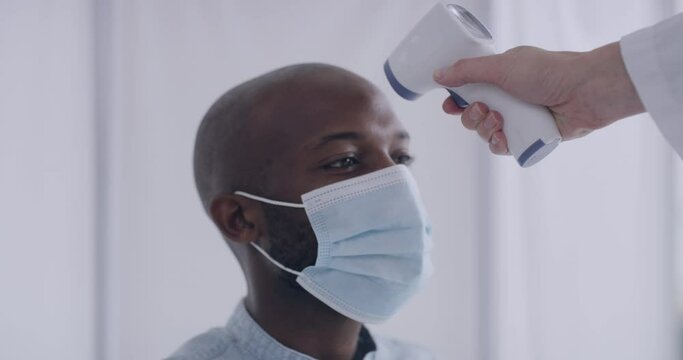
(106, 253)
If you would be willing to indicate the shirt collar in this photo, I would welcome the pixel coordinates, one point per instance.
(256, 342)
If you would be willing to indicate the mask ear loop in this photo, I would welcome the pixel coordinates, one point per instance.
(260, 249)
(268, 201)
(275, 262)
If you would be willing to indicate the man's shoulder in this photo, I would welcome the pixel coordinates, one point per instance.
(214, 344)
(390, 348)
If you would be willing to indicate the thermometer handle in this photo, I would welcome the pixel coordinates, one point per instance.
(530, 129)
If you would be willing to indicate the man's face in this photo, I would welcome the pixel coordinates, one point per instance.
(336, 135)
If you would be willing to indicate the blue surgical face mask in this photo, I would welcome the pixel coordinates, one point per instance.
(373, 243)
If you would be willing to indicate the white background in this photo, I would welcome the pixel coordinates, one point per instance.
(105, 251)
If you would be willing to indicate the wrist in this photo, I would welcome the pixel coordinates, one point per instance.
(607, 91)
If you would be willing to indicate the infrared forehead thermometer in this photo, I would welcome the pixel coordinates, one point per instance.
(446, 34)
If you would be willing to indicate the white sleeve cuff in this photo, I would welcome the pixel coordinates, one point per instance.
(654, 60)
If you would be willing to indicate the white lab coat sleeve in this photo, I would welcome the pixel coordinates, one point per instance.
(654, 60)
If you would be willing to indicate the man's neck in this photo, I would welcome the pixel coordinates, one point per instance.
(301, 322)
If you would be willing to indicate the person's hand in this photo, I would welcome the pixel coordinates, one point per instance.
(584, 91)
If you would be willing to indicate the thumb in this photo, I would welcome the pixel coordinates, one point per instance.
(485, 69)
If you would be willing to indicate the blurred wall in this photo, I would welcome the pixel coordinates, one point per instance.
(47, 182)
(581, 255)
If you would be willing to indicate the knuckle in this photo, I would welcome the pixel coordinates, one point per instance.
(466, 123)
(485, 134)
(498, 118)
(467, 120)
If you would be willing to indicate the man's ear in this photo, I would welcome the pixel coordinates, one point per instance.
(237, 218)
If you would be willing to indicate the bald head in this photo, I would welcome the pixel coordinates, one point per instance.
(243, 132)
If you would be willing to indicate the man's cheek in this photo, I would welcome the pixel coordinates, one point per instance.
(309, 244)
(293, 241)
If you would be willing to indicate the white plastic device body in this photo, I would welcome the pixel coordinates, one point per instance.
(447, 33)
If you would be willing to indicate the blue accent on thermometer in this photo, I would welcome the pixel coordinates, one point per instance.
(531, 150)
(462, 103)
(398, 87)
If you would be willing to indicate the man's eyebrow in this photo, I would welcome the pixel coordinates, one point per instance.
(403, 135)
(347, 135)
(352, 135)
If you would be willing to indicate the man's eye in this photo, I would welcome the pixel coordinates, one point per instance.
(404, 159)
(344, 163)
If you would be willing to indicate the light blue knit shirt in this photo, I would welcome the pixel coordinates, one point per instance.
(242, 338)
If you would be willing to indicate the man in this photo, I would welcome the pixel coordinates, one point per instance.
(356, 249)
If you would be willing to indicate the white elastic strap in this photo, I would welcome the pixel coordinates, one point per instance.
(275, 261)
(268, 201)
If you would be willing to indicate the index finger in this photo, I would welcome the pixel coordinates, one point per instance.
(450, 107)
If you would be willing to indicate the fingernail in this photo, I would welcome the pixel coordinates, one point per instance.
(489, 123)
(476, 114)
(494, 139)
(439, 74)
